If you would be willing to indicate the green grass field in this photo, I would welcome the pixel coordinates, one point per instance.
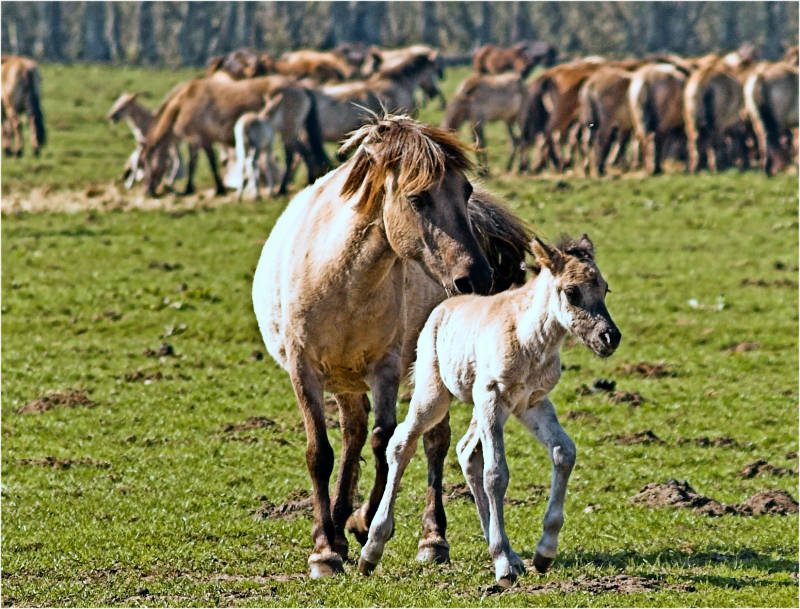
(146, 495)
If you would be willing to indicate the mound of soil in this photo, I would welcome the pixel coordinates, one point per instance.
(678, 493)
(582, 415)
(63, 463)
(760, 467)
(742, 347)
(457, 490)
(70, 398)
(641, 437)
(706, 442)
(141, 375)
(631, 398)
(765, 283)
(647, 370)
(298, 503)
(250, 423)
(621, 583)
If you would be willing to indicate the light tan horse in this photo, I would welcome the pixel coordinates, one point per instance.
(204, 111)
(770, 98)
(21, 84)
(656, 104)
(331, 295)
(319, 65)
(500, 353)
(482, 98)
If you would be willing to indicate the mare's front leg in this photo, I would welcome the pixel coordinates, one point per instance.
(433, 546)
(212, 162)
(542, 421)
(492, 415)
(353, 413)
(384, 383)
(324, 561)
(189, 189)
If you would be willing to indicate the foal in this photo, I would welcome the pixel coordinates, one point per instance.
(254, 133)
(500, 353)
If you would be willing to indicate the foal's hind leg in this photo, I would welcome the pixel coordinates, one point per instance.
(384, 382)
(353, 410)
(470, 457)
(542, 421)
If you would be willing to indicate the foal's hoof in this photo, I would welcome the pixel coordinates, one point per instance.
(542, 563)
(433, 551)
(324, 565)
(365, 567)
(357, 524)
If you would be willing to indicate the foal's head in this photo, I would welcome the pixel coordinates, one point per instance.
(578, 300)
(120, 107)
(413, 175)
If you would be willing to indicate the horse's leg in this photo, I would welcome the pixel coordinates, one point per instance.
(384, 383)
(212, 162)
(492, 415)
(288, 151)
(353, 411)
(193, 150)
(542, 421)
(324, 561)
(34, 139)
(428, 406)
(176, 164)
(482, 154)
(133, 163)
(589, 143)
(470, 457)
(433, 546)
(513, 142)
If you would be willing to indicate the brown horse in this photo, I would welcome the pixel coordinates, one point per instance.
(770, 97)
(331, 294)
(205, 110)
(521, 58)
(656, 104)
(20, 95)
(241, 63)
(322, 66)
(388, 60)
(482, 98)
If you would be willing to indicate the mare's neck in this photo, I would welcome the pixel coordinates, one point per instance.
(538, 327)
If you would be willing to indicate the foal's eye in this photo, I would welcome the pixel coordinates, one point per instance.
(573, 294)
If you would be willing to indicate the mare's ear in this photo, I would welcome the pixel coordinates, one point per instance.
(586, 244)
(548, 257)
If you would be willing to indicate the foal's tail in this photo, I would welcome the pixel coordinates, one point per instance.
(35, 107)
(504, 238)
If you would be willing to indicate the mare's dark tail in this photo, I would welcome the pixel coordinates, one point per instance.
(35, 108)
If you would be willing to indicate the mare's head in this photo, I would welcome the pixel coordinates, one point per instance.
(120, 107)
(578, 300)
(412, 176)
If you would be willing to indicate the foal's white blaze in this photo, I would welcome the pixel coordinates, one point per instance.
(500, 353)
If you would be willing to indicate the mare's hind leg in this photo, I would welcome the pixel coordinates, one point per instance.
(428, 406)
(384, 382)
(353, 411)
(324, 560)
(542, 421)
(433, 546)
(189, 189)
(212, 161)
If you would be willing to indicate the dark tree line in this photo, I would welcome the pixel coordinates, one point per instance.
(187, 33)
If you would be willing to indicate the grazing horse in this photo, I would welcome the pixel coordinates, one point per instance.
(656, 104)
(205, 110)
(770, 99)
(21, 95)
(481, 98)
(500, 353)
(491, 59)
(319, 65)
(139, 120)
(254, 132)
(333, 301)
(241, 63)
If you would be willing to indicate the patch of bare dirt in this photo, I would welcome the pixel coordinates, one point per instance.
(640, 437)
(69, 398)
(760, 467)
(742, 347)
(706, 442)
(580, 415)
(621, 583)
(678, 493)
(773, 283)
(792, 454)
(647, 370)
(298, 503)
(250, 423)
(63, 463)
(632, 398)
(141, 375)
(456, 490)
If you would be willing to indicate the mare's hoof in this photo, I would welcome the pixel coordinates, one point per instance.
(340, 546)
(542, 563)
(365, 567)
(357, 525)
(433, 551)
(507, 580)
(324, 565)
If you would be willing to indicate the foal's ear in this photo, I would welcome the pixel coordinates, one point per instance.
(586, 243)
(548, 257)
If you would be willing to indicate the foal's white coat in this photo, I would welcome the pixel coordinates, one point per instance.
(500, 353)
(254, 133)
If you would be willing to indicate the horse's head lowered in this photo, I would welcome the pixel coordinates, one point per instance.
(412, 174)
(578, 301)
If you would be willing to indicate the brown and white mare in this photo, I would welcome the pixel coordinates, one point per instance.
(336, 293)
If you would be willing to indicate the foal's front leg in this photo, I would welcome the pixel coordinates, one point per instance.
(492, 415)
(542, 421)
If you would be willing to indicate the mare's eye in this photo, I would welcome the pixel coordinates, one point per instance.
(418, 201)
(573, 294)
